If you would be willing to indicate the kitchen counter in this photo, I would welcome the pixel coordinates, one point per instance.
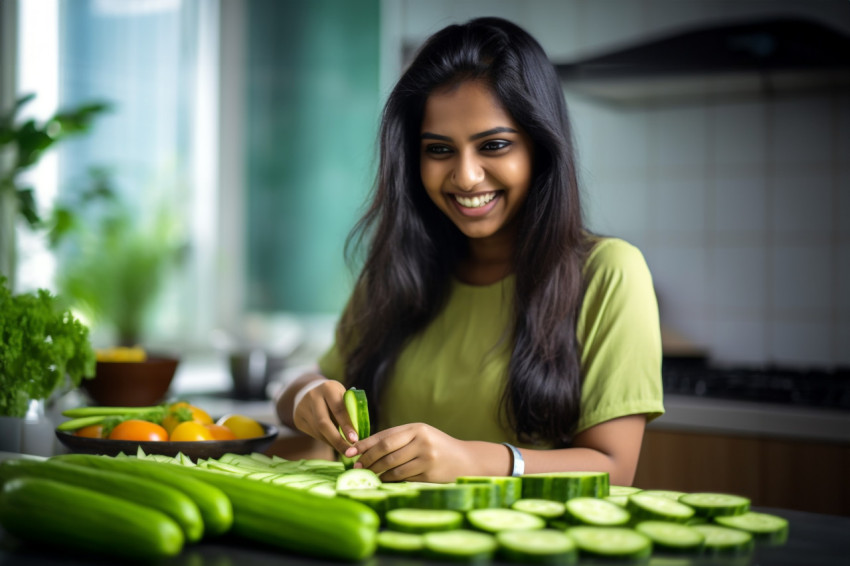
(713, 415)
(814, 540)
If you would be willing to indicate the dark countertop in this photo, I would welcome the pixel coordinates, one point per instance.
(814, 540)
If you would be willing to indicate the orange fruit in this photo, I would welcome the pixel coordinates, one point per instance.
(184, 412)
(242, 426)
(220, 432)
(190, 431)
(135, 429)
(92, 431)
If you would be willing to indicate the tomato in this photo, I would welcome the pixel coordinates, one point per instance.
(242, 426)
(190, 431)
(135, 429)
(220, 432)
(93, 431)
(184, 412)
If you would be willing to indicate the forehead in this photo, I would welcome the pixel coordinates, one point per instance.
(469, 106)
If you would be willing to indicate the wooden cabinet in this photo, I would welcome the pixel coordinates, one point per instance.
(772, 472)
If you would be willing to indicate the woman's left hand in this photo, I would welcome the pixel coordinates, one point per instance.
(414, 452)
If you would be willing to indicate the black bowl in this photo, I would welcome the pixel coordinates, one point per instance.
(193, 449)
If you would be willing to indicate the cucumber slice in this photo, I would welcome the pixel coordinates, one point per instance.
(623, 490)
(545, 546)
(510, 488)
(408, 520)
(723, 540)
(394, 542)
(763, 526)
(495, 520)
(359, 478)
(668, 493)
(460, 545)
(596, 512)
(653, 508)
(673, 537)
(621, 500)
(561, 486)
(611, 542)
(541, 507)
(716, 504)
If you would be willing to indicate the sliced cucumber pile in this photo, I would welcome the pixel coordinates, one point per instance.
(532, 519)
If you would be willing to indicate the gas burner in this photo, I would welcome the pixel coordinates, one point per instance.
(811, 388)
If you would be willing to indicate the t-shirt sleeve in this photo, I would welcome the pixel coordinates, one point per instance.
(620, 337)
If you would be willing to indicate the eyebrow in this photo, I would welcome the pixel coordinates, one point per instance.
(479, 135)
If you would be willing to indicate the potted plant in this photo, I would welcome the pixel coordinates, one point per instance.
(21, 147)
(113, 258)
(43, 349)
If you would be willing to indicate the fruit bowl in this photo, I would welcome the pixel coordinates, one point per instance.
(193, 449)
(131, 383)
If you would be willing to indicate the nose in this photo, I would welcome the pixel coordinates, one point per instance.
(468, 172)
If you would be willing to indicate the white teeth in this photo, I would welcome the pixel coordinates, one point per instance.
(475, 202)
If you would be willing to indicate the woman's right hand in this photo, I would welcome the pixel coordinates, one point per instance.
(321, 413)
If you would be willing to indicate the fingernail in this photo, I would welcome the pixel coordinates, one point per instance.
(350, 452)
(358, 465)
(352, 436)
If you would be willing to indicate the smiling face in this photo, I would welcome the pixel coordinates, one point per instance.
(475, 160)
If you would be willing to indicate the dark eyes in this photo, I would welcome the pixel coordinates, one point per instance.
(439, 149)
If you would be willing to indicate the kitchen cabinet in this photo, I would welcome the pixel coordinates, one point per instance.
(792, 473)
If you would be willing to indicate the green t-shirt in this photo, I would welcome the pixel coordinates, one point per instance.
(452, 375)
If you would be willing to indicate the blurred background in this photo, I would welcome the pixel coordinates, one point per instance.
(216, 193)
(253, 123)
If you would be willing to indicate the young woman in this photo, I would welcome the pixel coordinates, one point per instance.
(492, 333)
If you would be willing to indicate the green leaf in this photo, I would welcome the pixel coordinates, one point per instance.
(28, 207)
(43, 345)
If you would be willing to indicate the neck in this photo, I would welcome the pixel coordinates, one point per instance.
(489, 259)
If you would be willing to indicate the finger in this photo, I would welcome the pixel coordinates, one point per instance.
(387, 449)
(329, 431)
(400, 465)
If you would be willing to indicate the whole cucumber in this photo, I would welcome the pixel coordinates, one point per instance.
(50, 512)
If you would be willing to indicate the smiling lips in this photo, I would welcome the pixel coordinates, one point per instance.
(477, 205)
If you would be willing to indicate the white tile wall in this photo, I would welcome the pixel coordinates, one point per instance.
(742, 209)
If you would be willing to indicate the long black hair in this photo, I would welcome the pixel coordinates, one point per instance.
(413, 248)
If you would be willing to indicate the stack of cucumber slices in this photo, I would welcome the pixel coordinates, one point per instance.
(550, 518)
(501, 518)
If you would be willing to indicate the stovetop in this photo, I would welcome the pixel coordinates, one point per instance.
(805, 387)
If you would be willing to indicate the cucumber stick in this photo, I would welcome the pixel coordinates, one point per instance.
(46, 511)
(163, 498)
(294, 519)
(358, 412)
(214, 505)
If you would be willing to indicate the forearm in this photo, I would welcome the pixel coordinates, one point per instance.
(285, 402)
(612, 446)
(491, 459)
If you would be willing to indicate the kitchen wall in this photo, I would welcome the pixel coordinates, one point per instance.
(739, 207)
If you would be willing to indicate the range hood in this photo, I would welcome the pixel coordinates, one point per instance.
(720, 61)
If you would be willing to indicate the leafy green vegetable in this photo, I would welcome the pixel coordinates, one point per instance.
(40, 344)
